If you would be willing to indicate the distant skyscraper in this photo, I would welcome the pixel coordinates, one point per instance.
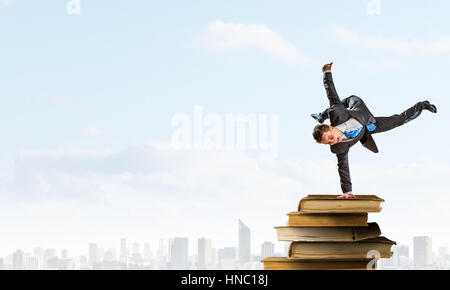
(48, 254)
(82, 262)
(66, 264)
(215, 254)
(109, 255)
(53, 263)
(124, 252)
(18, 260)
(443, 259)
(162, 249)
(162, 255)
(227, 253)
(99, 255)
(136, 248)
(65, 254)
(443, 252)
(92, 254)
(244, 243)
(267, 250)
(147, 252)
(423, 256)
(39, 252)
(403, 251)
(31, 263)
(205, 253)
(227, 258)
(178, 254)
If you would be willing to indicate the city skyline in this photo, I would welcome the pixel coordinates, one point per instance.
(420, 256)
(173, 253)
(279, 246)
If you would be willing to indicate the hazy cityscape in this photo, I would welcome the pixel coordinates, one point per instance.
(173, 254)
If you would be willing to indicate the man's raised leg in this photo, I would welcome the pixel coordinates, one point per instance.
(384, 124)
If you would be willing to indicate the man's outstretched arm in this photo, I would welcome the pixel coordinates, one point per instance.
(344, 172)
(332, 94)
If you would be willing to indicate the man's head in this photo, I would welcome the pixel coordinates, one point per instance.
(326, 134)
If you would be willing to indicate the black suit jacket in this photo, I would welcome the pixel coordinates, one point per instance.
(340, 112)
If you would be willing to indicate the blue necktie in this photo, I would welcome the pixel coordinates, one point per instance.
(354, 133)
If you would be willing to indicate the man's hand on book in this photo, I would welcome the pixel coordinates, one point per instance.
(327, 67)
(348, 195)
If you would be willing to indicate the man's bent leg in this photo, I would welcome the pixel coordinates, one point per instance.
(322, 116)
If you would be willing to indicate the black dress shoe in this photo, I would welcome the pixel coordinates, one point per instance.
(430, 107)
(318, 117)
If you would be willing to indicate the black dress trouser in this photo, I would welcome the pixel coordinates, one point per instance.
(384, 124)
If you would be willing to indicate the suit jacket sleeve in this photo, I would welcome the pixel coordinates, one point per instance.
(344, 171)
(332, 95)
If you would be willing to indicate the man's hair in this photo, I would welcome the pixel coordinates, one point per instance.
(319, 130)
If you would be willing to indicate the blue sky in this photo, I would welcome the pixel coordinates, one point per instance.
(112, 77)
(127, 68)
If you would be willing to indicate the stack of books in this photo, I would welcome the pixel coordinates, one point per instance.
(328, 233)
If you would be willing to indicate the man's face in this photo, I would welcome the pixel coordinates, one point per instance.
(331, 137)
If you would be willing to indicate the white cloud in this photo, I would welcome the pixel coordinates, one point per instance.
(68, 197)
(226, 36)
(348, 36)
(149, 187)
(375, 65)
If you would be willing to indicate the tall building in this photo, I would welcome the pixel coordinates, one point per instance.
(136, 248)
(39, 252)
(53, 263)
(423, 256)
(205, 254)
(403, 251)
(443, 252)
(65, 254)
(178, 254)
(18, 260)
(92, 254)
(267, 250)
(124, 251)
(81, 262)
(48, 254)
(443, 259)
(109, 256)
(66, 264)
(147, 252)
(227, 258)
(162, 249)
(244, 243)
(403, 261)
(31, 263)
(99, 254)
(162, 255)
